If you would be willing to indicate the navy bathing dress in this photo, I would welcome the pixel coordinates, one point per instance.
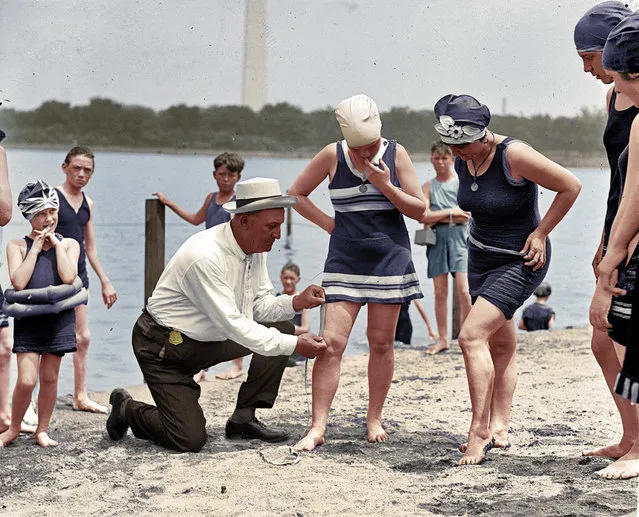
(504, 213)
(627, 384)
(616, 138)
(215, 214)
(369, 256)
(71, 224)
(48, 333)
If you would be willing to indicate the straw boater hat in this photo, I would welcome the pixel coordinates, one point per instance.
(258, 194)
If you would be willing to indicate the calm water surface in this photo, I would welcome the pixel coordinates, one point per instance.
(123, 181)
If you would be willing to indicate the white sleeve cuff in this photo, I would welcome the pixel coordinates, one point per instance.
(288, 344)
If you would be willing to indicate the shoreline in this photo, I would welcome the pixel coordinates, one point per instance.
(561, 407)
(563, 157)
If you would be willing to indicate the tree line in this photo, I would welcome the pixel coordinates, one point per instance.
(278, 128)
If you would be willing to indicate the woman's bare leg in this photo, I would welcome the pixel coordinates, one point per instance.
(609, 356)
(503, 346)
(463, 295)
(483, 320)
(382, 320)
(340, 317)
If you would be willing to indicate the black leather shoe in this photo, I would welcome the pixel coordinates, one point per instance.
(116, 424)
(252, 430)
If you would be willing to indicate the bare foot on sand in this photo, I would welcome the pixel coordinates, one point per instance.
(624, 468)
(614, 451)
(498, 444)
(89, 406)
(199, 376)
(24, 427)
(376, 432)
(476, 450)
(313, 439)
(439, 346)
(43, 440)
(8, 436)
(231, 373)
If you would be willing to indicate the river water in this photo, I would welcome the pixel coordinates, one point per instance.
(122, 182)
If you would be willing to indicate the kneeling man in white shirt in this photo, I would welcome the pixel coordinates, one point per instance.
(205, 310)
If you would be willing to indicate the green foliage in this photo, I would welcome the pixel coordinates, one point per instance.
(281, 128)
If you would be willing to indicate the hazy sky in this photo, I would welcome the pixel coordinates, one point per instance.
(402, 53)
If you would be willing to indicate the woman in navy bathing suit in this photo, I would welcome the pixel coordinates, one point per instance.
(508, 254)
(608, 346)
(621, 62)
(372, 182)
(41, 259)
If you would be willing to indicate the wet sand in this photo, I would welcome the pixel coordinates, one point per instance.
(561, 407)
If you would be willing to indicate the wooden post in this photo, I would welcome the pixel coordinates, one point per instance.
(289, 222)
(455, 311)
(154, 245)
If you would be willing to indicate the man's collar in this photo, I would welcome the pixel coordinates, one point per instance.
(233, 245)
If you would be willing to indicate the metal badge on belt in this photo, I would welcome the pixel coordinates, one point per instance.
(175, 338)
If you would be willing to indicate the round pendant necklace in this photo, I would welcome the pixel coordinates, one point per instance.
(474, 186)
(363, 188)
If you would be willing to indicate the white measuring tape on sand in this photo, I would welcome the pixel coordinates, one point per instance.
(275, 456)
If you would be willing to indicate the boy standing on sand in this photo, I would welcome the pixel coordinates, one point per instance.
(75, 220)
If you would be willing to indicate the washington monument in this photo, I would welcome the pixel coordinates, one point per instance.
(254, 85)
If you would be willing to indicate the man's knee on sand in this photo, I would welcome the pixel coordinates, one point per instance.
(192, 440)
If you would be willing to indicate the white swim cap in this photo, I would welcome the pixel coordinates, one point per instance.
(359, 120)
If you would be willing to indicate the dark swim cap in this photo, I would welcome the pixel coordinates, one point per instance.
(621, 53)
(593, 28)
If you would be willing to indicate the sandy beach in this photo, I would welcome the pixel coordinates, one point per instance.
(561, 407)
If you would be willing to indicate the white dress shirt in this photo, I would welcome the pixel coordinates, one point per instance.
(212, 291)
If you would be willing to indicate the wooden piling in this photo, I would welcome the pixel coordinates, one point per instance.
(154, 245)
(289, 222)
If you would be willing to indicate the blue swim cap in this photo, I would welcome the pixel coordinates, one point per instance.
(462, 119)
(593, 28)
(621, 53)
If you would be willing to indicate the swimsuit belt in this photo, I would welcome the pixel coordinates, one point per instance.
(493, 249)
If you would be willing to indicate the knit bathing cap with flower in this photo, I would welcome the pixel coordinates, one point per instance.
(462, 119)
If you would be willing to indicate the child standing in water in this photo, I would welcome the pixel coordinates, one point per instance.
(41, 259)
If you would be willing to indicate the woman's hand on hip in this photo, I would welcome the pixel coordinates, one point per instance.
(535, 250)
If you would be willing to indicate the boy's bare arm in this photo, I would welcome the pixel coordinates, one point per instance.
(109, 296)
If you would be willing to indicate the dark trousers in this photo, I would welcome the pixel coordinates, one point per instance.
(177, 421)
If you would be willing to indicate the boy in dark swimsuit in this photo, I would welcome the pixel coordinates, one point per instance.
(76, 221)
